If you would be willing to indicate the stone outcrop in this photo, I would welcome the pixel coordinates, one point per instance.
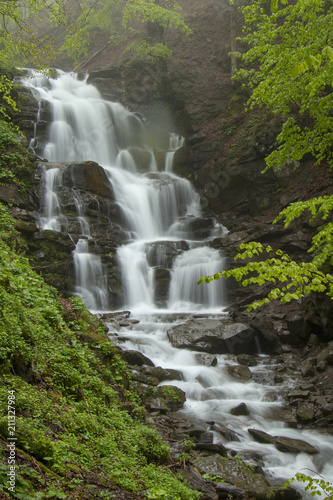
(216, 336)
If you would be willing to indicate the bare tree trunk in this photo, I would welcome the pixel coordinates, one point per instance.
(233, 39)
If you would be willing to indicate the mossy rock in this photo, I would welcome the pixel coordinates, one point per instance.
(167, 397)
(235, 472)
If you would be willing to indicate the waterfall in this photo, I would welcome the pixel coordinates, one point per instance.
(154, 205)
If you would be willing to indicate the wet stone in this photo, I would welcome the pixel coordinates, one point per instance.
(205, 438)
(226, 433)
(261, 436)
(246, 359)
(298, 394)
(326, 354)
(239, 372)
(162, 373)
(212, 448)
(240, 410)
(214, 336)
(206, 359)
(289, 445)
(136, 358)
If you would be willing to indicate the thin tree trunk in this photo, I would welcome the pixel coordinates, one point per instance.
(233, 39)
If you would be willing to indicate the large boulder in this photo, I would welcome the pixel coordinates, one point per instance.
(217, 336)
(89, 176)
(235, 472)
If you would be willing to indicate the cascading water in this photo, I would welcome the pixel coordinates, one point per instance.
(166, 235)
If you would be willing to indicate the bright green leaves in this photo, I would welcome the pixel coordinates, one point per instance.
(293, 280)
(315, 486)
(275, 4)
(147, 11)
(148, 52)
(322, 242)
(322, 205)
(94, 16)
(292, 47)
(167, 15)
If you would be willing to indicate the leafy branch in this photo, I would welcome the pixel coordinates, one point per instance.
(294, 280)
(315, 486)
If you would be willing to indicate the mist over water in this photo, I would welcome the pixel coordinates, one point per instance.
(162, 216)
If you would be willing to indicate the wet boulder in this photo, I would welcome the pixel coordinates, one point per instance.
(326, 355)
(136, 358)
(88, 176)
(247, 360)
(206, 359)
(216, 336)
(162, 373)
(240, 410)
(163, 253)
(261, 436)
(289, 445)
(239, 372)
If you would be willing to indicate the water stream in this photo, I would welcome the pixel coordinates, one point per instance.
(162, 217)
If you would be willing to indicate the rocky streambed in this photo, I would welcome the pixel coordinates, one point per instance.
(241, 416)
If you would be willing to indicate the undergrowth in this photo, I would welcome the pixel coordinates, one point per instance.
(16, 164)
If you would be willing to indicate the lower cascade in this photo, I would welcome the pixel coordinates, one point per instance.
(164, 248)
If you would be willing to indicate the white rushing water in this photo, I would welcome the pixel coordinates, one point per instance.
(162, 215)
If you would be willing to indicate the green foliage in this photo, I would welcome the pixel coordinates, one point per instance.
(68, 393)
(20, 46)
(16, 164)
(94, 15)
(99, 15)
(210, 477)
(148, 52)
(294, 280)
(149, 11)
(314, 486)
(291, 49)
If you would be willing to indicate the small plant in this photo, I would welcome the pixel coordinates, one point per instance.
(210, 477)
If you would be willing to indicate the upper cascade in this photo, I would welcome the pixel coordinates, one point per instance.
(156, 205)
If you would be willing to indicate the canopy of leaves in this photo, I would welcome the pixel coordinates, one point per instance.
(291, 51)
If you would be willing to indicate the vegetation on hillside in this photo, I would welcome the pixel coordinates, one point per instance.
(121, 21)
(289, 67)
(67, 384)
(16, 163)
